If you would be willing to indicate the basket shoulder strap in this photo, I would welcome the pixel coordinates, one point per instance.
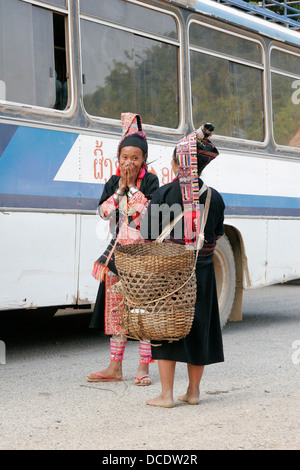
(203, 189)
(206, 208)
(168, 228)
(200, 240)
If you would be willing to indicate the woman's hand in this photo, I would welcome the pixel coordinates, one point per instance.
(123, 181)
(132, 174)
(129, 174)
(131, 160)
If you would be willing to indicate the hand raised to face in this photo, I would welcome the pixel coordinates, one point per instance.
(131, 160)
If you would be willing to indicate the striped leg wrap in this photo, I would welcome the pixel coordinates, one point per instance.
(145, 352)
(117, 348)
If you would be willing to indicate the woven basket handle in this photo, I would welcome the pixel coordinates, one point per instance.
(168, 228)
(200, 240)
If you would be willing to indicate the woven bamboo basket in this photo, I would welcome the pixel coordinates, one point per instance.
(158, 284)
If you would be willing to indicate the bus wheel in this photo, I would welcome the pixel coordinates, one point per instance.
(225, 276)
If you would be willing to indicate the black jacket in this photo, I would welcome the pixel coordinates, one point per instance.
(149, 184)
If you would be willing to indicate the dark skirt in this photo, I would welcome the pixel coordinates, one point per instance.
(97, 319)
(203, 345)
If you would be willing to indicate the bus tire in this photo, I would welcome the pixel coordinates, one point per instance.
(225, 272)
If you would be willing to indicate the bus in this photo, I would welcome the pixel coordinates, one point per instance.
(69, 68)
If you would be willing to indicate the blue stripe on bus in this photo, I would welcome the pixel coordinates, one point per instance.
(31, 157)
(6, 136)
(30, 160)
(261, 211)
(48, 202)
(87, 198)
(252, 200)
(248, 204)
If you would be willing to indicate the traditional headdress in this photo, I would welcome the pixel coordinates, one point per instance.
(133, 135)
(192, 155)
(132, 132)
(206, 151)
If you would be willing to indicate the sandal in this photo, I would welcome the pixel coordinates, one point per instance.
(140, 381)
(98, 377)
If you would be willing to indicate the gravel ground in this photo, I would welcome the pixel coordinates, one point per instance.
(251, 401)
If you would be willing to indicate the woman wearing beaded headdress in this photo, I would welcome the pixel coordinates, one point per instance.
(123, 202)
(203, 345)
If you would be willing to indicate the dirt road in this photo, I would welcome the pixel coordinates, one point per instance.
(251, 401)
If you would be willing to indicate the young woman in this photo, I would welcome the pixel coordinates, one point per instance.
(123, 202)
(203, 345)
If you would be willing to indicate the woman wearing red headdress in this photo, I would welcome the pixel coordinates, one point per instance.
(123, 202)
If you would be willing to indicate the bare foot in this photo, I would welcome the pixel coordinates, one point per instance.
(161, 401)
(112, 373)
(191, 400)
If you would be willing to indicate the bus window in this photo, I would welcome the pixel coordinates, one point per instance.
(30, 51)
(60, 62)
(227, 83)
(220, 41)
(285, 80)
(134, 16)
(123, 69)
